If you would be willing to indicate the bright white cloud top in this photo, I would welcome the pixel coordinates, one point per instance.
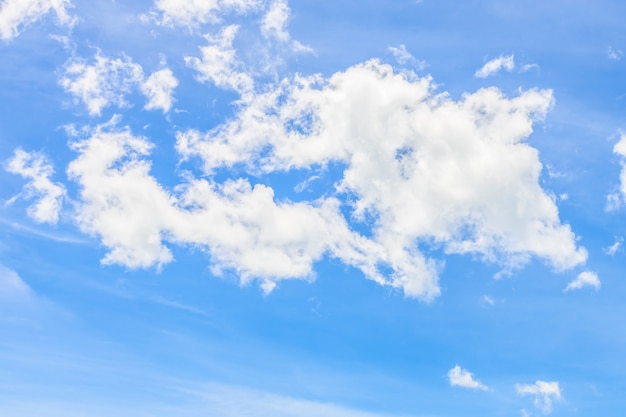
(463, 378)
(350, 169)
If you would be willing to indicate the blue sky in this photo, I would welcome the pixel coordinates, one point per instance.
(256, 208)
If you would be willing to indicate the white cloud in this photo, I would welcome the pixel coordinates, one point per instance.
(191, 13)
(544, 392)
(495, 65)
(404, 57)
(488, 300)
(614, 54)
(460, 377)
(241, 226)
(612, 250)
(616, 200)
(17, 14)
(105, 81)
(584, 279)
(102, 83)
(159, 88)
(478, 168)
(37, 170)
(274, 22)
(219, 63)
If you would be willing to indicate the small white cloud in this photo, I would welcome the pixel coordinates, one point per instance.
(544, 394)
(159, 88)
(460, 377)
(612, 250)
(401, 54)
(101, 83)
(495, 65)
(488, 300)
(37, 170)
(219, 63)
(616, 200)
(614, 54)
(273, 25)
(584, 279)
(17, 14)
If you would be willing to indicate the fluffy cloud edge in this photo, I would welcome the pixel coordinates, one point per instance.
(37, 170)
(584, 279)
(544, 393)
(15, 15)
(459, 377)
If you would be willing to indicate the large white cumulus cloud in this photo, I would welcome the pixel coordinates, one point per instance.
(420, 170)
(428, 169)
(241, 226)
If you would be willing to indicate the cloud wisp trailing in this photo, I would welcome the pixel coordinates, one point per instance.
(496, 65)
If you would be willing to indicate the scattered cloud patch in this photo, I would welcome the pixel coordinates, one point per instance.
(584, 279)
(544, 393)
(614, 54)
(616, 200)
(495, 65)
(37, 170)
(460, 377)
(105, 81)
(612, 250)
(15, 15)
(159, 89)
(219, 63)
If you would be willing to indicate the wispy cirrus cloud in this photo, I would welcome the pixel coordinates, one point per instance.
(584, 279)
